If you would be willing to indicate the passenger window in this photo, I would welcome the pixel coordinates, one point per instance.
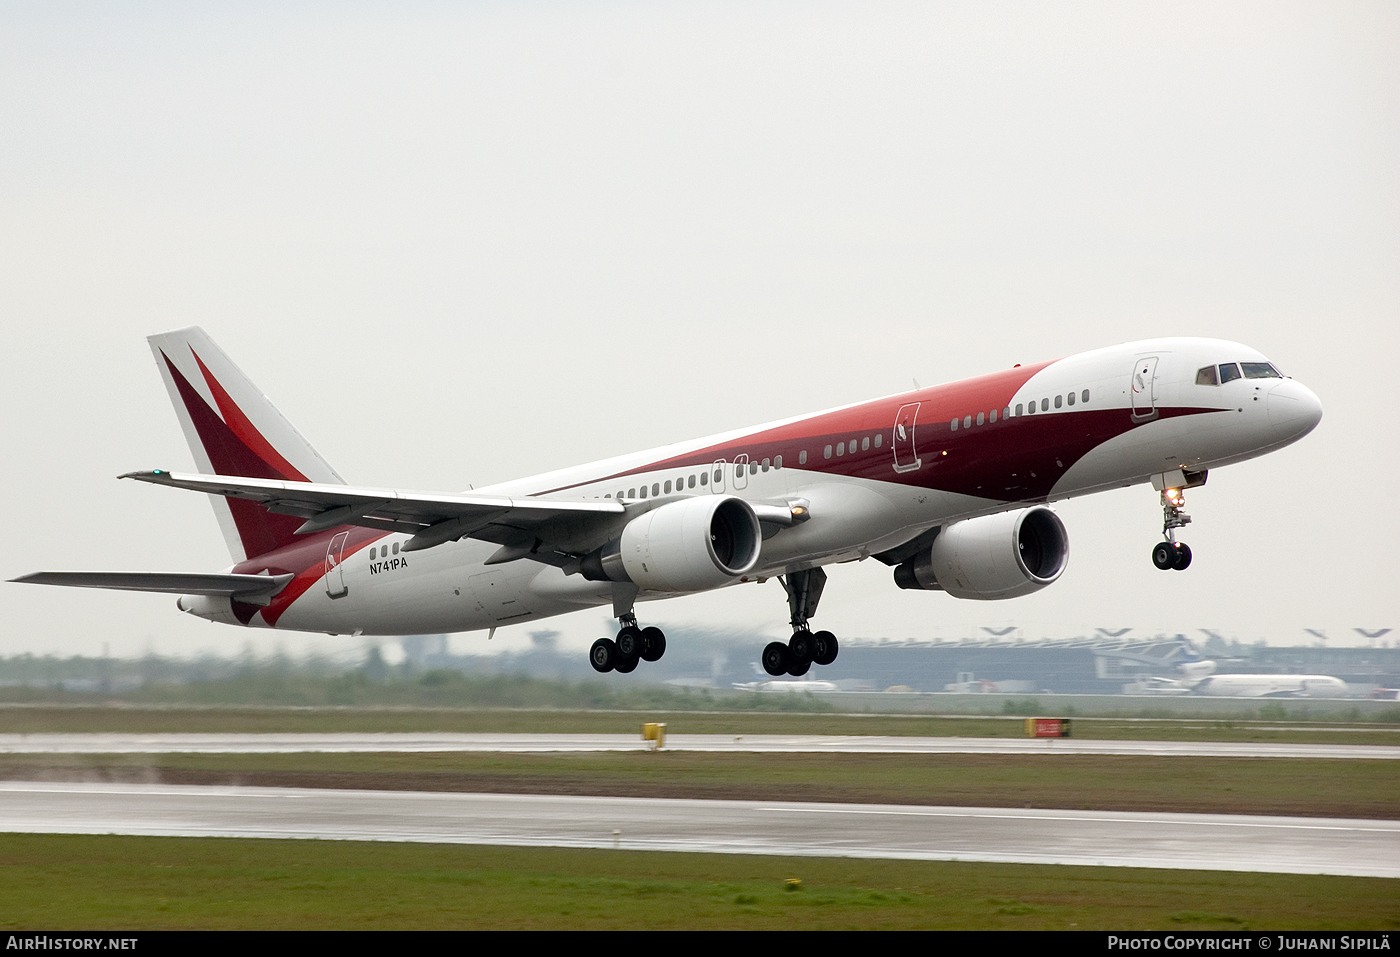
(704, 479)
(753, 468)
(802, 457)
(981, 418)
(718, 475)
(1019, 410)
(371, 554)
(777, 461)
(1084, 396)
(1030, 407)
(1059, 401)
(1228, 372)
(967, 421)
(765, 465)
(865, 444)
(656, 489)
(878, 437)
(690, 482)
(1071, 398)
(840, 448)
(1207, 376)
(953, 425)
(632, 493)
(827, 452)
(396, 548)
(668, 486)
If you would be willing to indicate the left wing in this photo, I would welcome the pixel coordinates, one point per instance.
(429, 517)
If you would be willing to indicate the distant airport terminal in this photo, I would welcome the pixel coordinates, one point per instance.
(1162, 667)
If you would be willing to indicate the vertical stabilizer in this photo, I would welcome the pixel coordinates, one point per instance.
(233, 429)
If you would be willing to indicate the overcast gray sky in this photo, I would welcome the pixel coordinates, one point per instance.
(458, 243)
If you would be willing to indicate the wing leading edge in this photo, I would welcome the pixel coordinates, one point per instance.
(430, 518)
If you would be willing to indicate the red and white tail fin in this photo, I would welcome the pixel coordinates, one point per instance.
(233, 429)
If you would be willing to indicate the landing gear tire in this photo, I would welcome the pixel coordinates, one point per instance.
(1164, 556)
(776, 659)
(603, 655)
(1181, 559)
(799, 668)
(824, 648)
(653, 644)
(629, 642)
(800, 646)
(625, 665)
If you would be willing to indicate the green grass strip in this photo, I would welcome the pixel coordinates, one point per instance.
(134, 719)
(1286, 786)
(59, 882)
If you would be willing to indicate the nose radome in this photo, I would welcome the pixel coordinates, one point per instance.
(1294, 410)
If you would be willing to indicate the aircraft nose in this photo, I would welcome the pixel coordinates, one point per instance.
(1294, 410)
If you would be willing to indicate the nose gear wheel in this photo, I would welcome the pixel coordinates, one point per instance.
(1171, 554)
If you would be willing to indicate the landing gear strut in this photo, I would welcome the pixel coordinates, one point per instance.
(633, 644)
(805, 648)
(1171, 553)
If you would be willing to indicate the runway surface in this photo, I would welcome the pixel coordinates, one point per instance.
(1198, 841)
(833, 744)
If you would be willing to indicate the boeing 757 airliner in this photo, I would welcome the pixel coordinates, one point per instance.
(949, 485)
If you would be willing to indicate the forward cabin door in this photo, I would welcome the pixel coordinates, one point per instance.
(1144, 389)
(906, 457)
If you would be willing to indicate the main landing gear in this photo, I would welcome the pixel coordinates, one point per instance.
(805, 648)
(633, 645)
(1171, 553)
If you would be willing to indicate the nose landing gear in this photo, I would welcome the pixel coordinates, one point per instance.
(1172, 554)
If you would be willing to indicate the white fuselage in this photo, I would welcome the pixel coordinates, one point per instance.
(872, 475)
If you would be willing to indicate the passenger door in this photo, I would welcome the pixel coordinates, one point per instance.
(906, 457)
(1144, 389)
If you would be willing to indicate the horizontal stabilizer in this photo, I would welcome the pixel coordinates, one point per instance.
(253, 589)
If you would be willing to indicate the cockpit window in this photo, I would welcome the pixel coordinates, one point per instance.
(1207, 376)
(1228, 372)
(1259, 370)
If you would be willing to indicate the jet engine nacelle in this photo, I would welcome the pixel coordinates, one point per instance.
(1006, 555)
(690, 545)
